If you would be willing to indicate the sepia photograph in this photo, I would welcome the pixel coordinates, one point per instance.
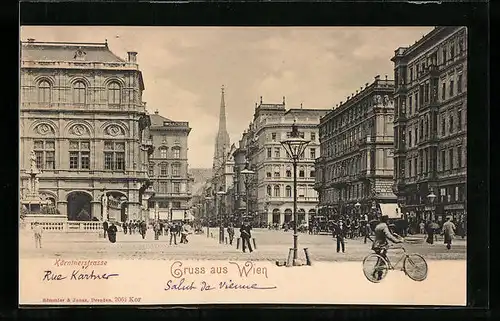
(230, 165)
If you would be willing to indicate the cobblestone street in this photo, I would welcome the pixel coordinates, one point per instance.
(271, 245)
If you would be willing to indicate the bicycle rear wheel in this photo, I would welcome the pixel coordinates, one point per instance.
(415, 267)
(375, 268)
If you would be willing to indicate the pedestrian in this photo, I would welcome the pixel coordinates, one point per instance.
(38, 231)
(184, 233)
(340, 232)
(449, 232)
(230, 232)
(105, 226)
(245, 236)
(422, 227)
(367, 232)
(112, 233)
(157, 230)
(173, 233)
(143, 228)
(430, 232)
(125, 227)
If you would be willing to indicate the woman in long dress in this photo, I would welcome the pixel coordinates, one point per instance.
(112, 233)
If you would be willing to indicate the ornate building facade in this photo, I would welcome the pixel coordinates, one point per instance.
(81, 112)
(431, 124)
(356, 164)
(168, 165)
(244, 191)
(273, 196)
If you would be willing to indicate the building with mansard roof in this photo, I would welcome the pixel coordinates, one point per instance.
(168, 166)
(81, 112)
(430, 125)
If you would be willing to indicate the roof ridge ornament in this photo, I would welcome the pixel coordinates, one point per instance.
(79, 54)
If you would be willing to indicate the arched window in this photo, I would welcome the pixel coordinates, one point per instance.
(176, 152)
(79, 92)
(114, 93)
(269, 191)
(288, 191)
(44, 92)
(276, 191)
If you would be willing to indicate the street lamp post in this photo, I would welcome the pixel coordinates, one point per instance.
(246, 174)
(221, 193)
(295, 146)
(431, 198)
(207, 216)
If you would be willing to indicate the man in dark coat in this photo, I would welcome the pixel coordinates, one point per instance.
(143, 228)
(340, 231)
(112, 232)
(246, 236)
(125, 225)
(230, 232)
(174, 230)
(105, 226)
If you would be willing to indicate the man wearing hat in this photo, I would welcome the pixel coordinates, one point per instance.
(340, 232)
(382, 234)
(448, 230)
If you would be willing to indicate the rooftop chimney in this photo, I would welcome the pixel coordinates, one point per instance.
(132, 56)
(366, 85)
(385, 77)
(261, 99)
(283, 100)
(377, 77)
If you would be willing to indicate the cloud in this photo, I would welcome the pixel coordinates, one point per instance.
(184, 68)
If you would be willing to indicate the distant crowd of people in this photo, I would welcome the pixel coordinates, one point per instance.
(175, 230)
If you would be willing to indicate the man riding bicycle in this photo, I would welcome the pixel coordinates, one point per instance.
(380, 244)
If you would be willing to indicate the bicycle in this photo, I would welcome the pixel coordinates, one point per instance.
(414, 266)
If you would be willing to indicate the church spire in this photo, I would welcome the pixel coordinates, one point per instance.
(222, 113)
(222, 140)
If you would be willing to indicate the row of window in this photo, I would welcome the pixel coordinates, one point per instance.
(276, 191)
(277, 153)
(448, 52)
(449, 159)
(275, 137)
(288, 172)
(354, 191)
(79, 155)
(163, 152)
(163, 169)
(164, 204)
(449, 194)
(424, 95)
(414, 135)
(79, 90)
(344, 142)
(350, 115)
(163, 187)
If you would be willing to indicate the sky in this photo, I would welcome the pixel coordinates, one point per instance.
(184, 68)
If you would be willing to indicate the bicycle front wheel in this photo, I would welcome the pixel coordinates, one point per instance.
(375, 268)
(415, 267)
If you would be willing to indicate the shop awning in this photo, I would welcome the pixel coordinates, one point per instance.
(391, 210)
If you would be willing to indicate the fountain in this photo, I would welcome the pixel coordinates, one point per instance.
(35, 208)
